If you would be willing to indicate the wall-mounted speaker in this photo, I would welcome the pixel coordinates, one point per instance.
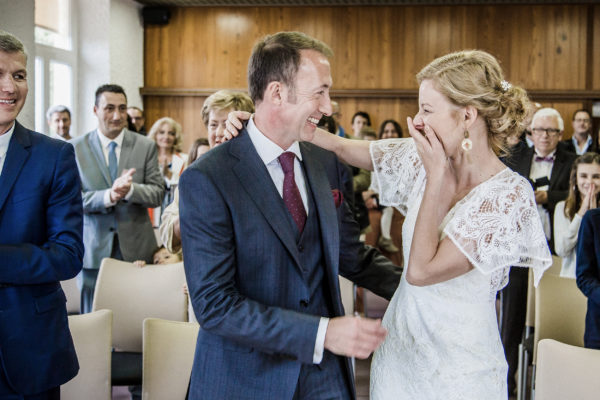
(155, 15)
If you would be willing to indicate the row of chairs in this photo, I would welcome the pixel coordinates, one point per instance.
(555, 310)
(168, 354)
(132, 295)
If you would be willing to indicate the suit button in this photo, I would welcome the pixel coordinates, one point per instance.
(304, 303)
(300, 248)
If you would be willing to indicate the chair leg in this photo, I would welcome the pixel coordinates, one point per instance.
(523, 376)
(532, 397)
(520, 370)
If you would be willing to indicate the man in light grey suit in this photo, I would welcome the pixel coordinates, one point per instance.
(120, 181)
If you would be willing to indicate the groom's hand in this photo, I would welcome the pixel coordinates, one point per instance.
(354, 336)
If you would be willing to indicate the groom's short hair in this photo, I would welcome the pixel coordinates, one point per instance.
(277, 58)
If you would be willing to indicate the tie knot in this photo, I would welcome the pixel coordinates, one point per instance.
(112, 145)
(287, 161)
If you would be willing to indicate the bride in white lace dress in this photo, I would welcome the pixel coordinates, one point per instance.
(468, 219)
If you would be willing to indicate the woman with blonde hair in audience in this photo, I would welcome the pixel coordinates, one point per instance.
(166, 133)
(469, 219)
(584, 193)
(214, 115)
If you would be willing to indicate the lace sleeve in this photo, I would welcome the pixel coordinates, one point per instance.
(499, 227)
(397, 171)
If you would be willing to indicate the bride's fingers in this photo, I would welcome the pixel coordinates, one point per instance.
(417, 135)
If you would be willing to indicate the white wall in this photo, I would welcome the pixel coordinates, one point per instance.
(111, 50)
(17, 17)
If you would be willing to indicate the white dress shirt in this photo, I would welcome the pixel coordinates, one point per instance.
(104, 144)
(540, 169)
(269, 153)
(4, 142)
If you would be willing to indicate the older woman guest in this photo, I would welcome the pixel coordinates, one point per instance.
(469, 219)
(214, 115)
(166, 132)
(583, 195)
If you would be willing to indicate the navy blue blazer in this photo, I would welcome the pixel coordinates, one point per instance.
(588, 274)
(243, 270)
(41, 224)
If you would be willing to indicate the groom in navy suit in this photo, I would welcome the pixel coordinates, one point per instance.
(265, 233)
(41, 223)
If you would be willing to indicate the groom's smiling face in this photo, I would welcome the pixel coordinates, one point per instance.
(306, 102)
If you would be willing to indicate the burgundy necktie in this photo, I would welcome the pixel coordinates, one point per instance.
(291, 194)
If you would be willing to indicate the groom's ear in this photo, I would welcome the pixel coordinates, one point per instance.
(274, 93)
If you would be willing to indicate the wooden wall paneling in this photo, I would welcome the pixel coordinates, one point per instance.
(375, 48)
(595, 45)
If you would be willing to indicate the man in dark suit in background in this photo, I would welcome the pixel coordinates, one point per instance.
(265, 234)
(546, 165)
(41, 222)
(120, 181)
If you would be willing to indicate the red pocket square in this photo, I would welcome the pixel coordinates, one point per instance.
(338, 197)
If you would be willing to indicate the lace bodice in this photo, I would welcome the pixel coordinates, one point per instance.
(443, 340)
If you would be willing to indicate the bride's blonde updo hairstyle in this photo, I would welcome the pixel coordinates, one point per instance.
(474, 78)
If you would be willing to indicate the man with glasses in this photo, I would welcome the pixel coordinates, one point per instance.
(582, 141)
(546, 165)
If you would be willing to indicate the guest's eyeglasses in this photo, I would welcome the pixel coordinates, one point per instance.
(549, 131)
(584, 120)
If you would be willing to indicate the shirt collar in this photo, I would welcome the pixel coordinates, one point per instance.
(588, 141)
(5, 140)
(104, 141)
(267, 150)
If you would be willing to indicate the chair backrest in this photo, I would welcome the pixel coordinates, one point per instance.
(530, 313)
(566, 372)
(556, 266)
(134, 294)
(169, 348)
(92, 336)
(73, 294)
(560, 310)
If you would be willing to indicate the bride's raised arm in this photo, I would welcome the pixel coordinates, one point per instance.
(353, 152)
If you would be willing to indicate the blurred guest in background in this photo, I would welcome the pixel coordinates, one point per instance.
(166, 133)
(59, 122)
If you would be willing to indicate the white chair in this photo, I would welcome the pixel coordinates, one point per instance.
(73, 294)
(169, 348)
(92, 336)
(566, 372)
(134, 294)
(560, 310)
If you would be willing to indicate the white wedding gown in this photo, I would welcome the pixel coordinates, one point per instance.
(443, 341)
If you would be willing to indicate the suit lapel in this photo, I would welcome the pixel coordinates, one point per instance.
(96, 148)
(256, 181)
(325, 207)
(558, 167)
(16, 156)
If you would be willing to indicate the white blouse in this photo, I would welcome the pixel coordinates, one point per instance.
(565, 239)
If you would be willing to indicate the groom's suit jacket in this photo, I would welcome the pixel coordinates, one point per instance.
(41, 220)
(128, 218)
(245, 273)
